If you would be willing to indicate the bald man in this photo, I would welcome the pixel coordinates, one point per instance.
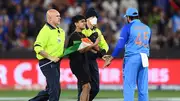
(49, 47)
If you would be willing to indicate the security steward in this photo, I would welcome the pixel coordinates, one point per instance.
(49, 47)
(92, 32)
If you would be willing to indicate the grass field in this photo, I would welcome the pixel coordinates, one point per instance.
(71, 94)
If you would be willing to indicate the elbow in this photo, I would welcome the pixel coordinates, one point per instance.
(38, 49)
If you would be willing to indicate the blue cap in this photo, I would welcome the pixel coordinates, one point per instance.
(131, 12)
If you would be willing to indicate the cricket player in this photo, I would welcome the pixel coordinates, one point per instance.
(135, 37)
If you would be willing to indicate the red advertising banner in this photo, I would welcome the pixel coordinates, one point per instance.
(19, 73)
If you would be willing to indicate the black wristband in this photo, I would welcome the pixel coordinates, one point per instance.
(101, 53)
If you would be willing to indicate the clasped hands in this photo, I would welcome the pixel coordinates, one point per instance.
(107, 59)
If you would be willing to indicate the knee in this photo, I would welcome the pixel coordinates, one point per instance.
(55, 89)
(142, 93)
(87, 86)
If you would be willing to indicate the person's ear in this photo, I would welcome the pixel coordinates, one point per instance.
(128, 18)
(49, 18)
(76, 23)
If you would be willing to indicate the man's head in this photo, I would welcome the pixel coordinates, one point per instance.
(53, 17)
(91, 16)
(131, 14)
(79, 21)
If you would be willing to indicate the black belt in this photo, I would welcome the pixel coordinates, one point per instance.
(44, 60)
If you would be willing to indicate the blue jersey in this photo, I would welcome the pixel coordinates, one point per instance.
(135, 37)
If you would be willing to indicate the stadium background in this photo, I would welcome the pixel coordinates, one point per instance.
(20, 21)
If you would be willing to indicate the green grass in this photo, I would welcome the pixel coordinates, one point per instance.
(102, 94)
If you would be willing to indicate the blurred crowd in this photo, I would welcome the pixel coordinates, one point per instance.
(21, 20)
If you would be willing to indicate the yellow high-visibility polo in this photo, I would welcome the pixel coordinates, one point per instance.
(51, 40)
(102, 44)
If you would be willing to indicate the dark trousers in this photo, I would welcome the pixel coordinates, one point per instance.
(52, 74)
(94, 72)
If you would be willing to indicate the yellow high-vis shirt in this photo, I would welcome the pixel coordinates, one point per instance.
(102, 44)
(51, 40)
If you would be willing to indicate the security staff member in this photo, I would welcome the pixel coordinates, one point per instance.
(49, 47)
(92, 31)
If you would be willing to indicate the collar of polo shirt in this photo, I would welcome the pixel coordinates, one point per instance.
(50, 26)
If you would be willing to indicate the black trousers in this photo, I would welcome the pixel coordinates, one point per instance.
(52, 74)
(94, 73)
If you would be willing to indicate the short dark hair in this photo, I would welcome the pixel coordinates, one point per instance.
(133, 17)
(90, 13)
(77, 18)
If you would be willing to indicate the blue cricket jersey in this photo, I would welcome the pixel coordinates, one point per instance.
(135, 37)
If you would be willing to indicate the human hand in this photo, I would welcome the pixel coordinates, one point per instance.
(107, 59)
(96, 48)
